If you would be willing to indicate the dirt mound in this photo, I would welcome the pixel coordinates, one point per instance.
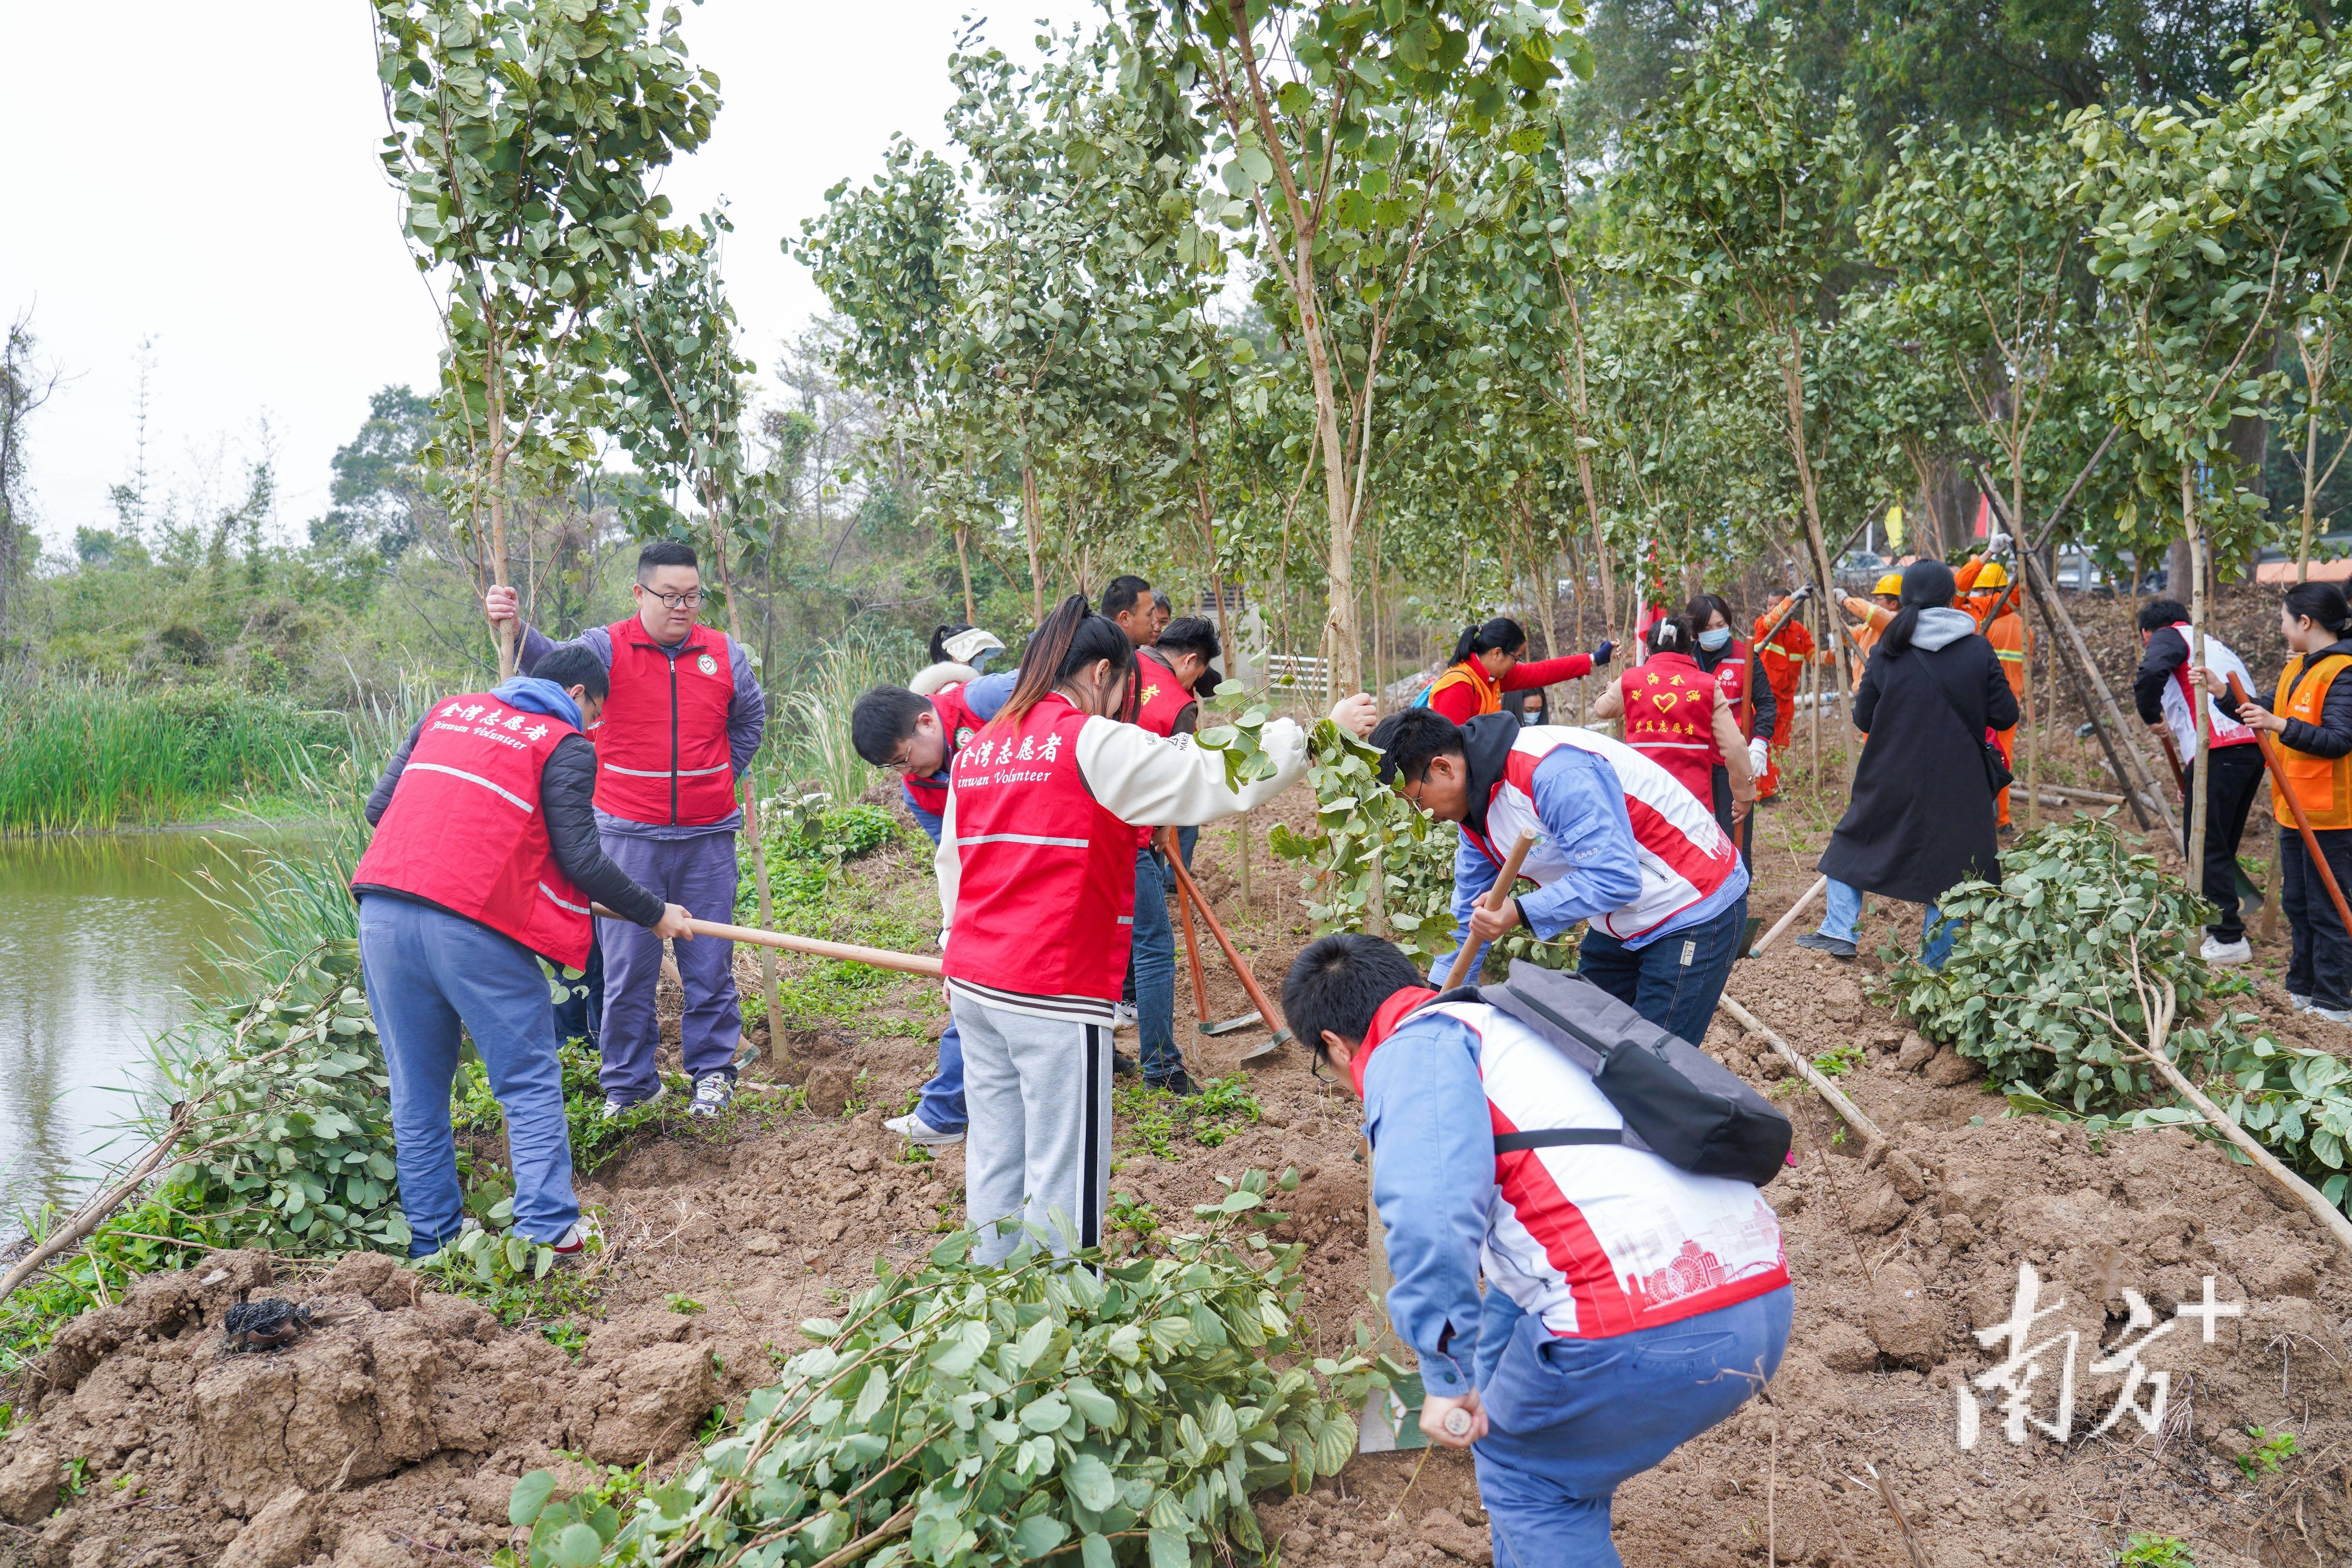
(391, 1434)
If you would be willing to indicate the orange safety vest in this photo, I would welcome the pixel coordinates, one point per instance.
(2322, 784)
(1472, 674)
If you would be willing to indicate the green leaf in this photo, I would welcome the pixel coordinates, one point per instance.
(578, 1547)
(1039, 1533)
(1169, 1549)
(528, 1496)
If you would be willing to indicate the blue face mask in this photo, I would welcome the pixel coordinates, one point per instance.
(1715, 640)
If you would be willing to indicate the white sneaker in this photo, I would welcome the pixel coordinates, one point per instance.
(614, 1108)
(573, 1242)
(2238, 952)
(2332, 1015)
(713, 1092)
(915, 1129)
(2300, 1004)
(1122, 1015)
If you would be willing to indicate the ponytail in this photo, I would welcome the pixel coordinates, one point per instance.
(1070, 639)
(1672, 634)
(1501, 634)
(939, 654)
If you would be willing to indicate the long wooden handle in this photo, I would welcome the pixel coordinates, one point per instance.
(1492, 900)
(2302, 823)
(1258, 998)
(1821, 885)
(2172, 755)
(880, 958)
(1191, 942)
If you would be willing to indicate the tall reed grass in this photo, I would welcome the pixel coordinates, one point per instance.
(814, 748)
(82, 754)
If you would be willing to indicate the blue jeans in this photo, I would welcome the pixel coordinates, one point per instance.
(1844, 916)
(581, 1016)
(941, 1106)
(700, 873)
(1570, 1420)
(1674, 980)
(429, 974)
(1152, 962)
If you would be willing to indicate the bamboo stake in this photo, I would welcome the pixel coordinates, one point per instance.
(1821, 1085)
(1821, 886)
(1493, 899)
(880, 958)
(93, 1213)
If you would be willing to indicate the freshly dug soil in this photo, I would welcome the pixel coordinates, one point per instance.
(391, 1433)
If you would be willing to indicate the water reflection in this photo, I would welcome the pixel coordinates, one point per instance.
(100, 938)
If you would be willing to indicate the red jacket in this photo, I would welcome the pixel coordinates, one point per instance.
(1464, 690)
(1045, 898)
(958, 723)
(1731, 675)
(1670, 718)
(464, 830)
(662, 750)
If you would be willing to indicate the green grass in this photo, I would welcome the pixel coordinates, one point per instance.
(2154, 1552)
(1157, 1119)
(77, 755)
(815, 749)
(2270, 1450)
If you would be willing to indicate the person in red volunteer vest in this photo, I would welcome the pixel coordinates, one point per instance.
(1036, 873)
(1620, 843)
(484, 863)
(1629, 1305)
(1677, 714)
(2233, 772)
(1739, 672)
(685, 716)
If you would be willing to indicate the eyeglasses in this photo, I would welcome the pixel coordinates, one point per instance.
(687, 601)
(1315, 1061)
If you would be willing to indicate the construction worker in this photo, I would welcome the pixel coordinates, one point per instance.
(1993, 604)
(2311, 715)
(1621, 843)
(685, 718)
(1629, 1305)
(1784, 661)
(1875, 613)
(2233, 763)
(1486, 663)
(1673, 720)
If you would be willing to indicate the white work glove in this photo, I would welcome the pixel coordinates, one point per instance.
(1759, 751)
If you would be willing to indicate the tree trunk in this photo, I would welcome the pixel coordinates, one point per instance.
(508, 628)
(1031, 525)
(769, 994)
(2198, 708)
(963, 565)
(1792, 379)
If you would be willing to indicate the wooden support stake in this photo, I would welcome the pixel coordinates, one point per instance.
(1823, 1086)
(1821, 886)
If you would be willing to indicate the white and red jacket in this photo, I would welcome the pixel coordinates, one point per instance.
(2182, 718)
(1036, 856)
(662, 746)
(1684, 856)
(958, 724)
(1596, 1240)
(463, 829)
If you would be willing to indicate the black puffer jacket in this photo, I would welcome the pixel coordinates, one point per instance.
(567, 790)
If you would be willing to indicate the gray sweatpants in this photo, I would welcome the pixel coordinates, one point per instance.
(1038, 1150)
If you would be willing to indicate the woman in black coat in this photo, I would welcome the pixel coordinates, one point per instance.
(1922, 815)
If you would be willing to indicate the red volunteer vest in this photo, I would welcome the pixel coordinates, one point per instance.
(1045, 889)
(1670, 718)
(1160, 700)
(1731, 675)
(463, 831)
(958, 723)
(2226, 730)
(661, 751)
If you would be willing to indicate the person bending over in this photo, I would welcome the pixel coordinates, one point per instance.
(1486, 664)
(1630, 1305)
(1620, 844)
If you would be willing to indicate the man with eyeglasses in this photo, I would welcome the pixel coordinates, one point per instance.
(684, 717)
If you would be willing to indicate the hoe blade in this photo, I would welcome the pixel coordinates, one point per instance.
(1230, 1025)
(1267, 1049)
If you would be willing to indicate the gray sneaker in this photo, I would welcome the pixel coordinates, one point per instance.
(2300, 1004)
(713, 1092)
(615, 1107)
(1835, 946)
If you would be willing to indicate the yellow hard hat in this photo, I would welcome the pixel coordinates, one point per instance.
(1993, 576)
(1890, 583)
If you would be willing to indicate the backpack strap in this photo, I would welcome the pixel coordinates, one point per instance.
(1555, 1137)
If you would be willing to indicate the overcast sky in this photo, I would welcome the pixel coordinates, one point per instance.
(207, 178)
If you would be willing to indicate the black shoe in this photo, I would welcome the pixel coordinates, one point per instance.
(1178, 1083)
(1836, 947)
(1123, 1066)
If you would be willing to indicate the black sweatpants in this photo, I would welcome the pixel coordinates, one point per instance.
(2234, 774)
(2321, 965)
(1743, 832)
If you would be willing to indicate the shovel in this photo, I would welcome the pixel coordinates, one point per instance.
(1265, 1013)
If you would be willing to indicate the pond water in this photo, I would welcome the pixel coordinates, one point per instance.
(101, 937)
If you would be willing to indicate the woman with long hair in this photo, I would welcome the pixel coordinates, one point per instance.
(1739, 672)
(1921, 818)
(1036, 871)
(1486, 663)
(2311, 715)
(1677, 716)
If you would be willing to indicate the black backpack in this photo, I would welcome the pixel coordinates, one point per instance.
(1679, 1103)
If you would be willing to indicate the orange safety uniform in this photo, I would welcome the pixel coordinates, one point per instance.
(1783, 659)
(2322, 784)
(1875, 619)
(2012, 641)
